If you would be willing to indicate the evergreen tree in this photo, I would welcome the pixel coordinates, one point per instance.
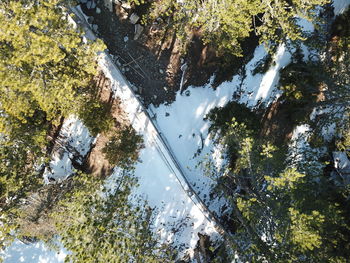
(282, 214)
(225, 23)
(45, 68)
(105, 226)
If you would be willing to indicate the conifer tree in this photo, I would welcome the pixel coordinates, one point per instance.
(225, 23)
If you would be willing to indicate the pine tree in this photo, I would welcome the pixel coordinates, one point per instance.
(225, 23)
(105, 226)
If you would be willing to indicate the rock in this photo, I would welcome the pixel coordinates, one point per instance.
(98, 10)
(138, 31)
(187, 93)
(90, 20)
(155, 97)
(126, 5)
(165, 88)
(126, 39)
(167, 114)
(91, 4)
(95, 27)
(161, 71)
(109, 5)
(134, 18)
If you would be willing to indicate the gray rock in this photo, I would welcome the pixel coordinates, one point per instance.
(138, 31)
(134, 18)
(95, 27)
(98, 10)
(90, 20)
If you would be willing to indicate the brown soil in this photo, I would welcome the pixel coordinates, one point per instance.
(152, 62)
(95, 162)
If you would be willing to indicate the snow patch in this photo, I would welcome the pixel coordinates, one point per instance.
(73, 143)
(180, 217)
(32, 253)
(340, 6)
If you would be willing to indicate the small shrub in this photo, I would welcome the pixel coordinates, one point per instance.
(263, 65)
(123, 148)
(221, 117)
(96, 116)
(301, 81)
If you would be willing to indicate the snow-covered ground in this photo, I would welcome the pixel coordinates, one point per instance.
(33, 253)
(74, 142)
(160, 181)
(340, 6)
(182, 123)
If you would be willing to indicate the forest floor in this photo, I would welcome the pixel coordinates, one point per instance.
(152, 63)
(95, 162)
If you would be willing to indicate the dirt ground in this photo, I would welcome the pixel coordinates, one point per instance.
(95, 162)
(152, 62)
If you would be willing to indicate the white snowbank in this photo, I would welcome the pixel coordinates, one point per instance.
(74, 142)
(32, 253)
(160, 180)
(340, 6)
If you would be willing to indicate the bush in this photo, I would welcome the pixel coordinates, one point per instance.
(221, 117)
(123, 148)
(96, 116)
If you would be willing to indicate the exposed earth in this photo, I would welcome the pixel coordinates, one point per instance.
(152, 62)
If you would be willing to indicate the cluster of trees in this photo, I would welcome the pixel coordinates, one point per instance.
(282, 212)
(47, 71)
(287, 207)
(225, 23)
(46, 67)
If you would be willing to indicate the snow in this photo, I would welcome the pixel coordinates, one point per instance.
(160, 180)
(32, 253)
(340, 6)
(182, 123)
(74, 142)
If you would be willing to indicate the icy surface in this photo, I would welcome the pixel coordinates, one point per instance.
(32, 253)
(340, 6)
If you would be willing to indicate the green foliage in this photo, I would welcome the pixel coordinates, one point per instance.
(220, 117)
(123, 148)
(96, 116)
(102, 225)
(44, 61)
(225, 23)
(45, 66)
(301, 81)
(298, 214)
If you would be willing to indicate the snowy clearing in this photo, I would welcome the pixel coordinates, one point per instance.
(182, 122)
(160, 181)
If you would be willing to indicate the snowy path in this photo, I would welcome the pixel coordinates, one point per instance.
(161, 179)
